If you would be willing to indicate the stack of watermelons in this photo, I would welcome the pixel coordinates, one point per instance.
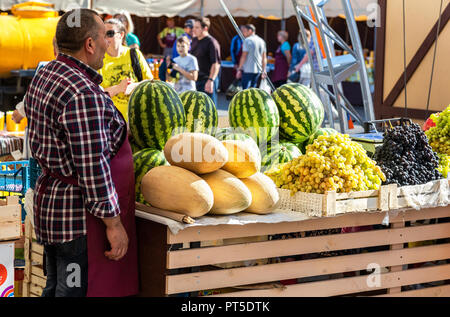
(157, 112)
(282, 123)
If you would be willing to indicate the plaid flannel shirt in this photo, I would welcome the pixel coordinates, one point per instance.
(74, 131)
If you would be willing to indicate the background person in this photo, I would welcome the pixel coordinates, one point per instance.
(207, 51)
(282, 59)
(131, 40)
(236, 48)
(298, 52)
(166, 38)
(84, 198)
(185, 65)
(253, 53)
(188, 31)
(119, 76)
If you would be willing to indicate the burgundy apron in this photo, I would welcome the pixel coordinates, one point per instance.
(281, 66)
(110, 278)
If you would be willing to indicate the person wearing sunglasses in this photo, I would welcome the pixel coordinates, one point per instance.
(123, 67)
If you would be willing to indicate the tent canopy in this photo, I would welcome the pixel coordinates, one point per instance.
(183, 8)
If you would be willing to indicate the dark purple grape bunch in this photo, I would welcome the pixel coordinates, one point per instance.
(406, 158)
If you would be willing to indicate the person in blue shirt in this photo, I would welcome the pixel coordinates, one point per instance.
(298, 51)
(235, 48)
(188, 31)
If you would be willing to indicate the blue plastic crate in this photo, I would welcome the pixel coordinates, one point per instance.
(14, 177)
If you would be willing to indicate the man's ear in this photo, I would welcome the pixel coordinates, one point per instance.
(89, 45)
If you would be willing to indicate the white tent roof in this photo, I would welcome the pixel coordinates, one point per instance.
(238, 8)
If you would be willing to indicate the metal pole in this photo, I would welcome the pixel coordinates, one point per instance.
(342, 121)
(236, 27)
(364, 79)
(283, 21)
(201, 8)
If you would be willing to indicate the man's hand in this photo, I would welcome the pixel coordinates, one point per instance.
(122, 86)
(16, 116)
(298, 66)
(209, 86)
(239, 74)
(117, 237)
(263, 75)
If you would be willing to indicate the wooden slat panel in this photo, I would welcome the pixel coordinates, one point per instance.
(36, 259)
(436, 291)
(37, 248)
(297, 269)
(10, 222)
(36, 289)
(398, 267)
(38, 271)
(275, 248)
(203, 233)
(352, 284)
(38, 280)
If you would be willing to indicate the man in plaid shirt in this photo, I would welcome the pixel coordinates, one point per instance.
(74, 131)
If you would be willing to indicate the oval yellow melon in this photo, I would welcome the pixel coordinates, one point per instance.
(265, 197)
(176, 189)
(197, 152)
(244, 158)
(230, 193)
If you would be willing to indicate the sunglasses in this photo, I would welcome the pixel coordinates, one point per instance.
(111, 33)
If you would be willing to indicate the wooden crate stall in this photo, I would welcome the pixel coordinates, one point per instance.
(34, 279)
(377, 262)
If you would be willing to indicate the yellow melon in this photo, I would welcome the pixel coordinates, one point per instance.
(244, 158)
(177, 189)
(265, 197)
(197, 152)
(230, 193)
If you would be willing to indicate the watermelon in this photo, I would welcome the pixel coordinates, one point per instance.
(278, 153)
(155, 113)
(320, 131)
(231, 134)
(252, 111)
(301, 111)
(143, 161)
(201, 113)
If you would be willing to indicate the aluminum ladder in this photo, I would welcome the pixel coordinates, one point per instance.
(342, 66)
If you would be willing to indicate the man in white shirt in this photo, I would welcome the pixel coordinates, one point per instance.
(253, 53)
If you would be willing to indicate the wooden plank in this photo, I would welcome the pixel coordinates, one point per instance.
(38, 271)
(352, 284)
(397, 268)
(38, 280)
(379, 59)
(436, 291)
(28, 228)
(356, 205)
(37, 248)
(26, 289)
(305, 268)
(415, 62)
(360, 194)
(36, 259)
(152, 247)
(10, 222)
(36, 289)
(204, 233)
(276, 248)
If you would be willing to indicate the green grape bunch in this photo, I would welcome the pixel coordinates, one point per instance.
(439, 136)
(331, 163)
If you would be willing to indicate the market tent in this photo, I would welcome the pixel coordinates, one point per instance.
(238, 8)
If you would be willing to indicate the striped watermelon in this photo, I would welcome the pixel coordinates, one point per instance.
(253, 112)
(301, 111)
(231, 134)
(143, 161)
(279, 153)
(201, 113)
(321, 131)
(155, 113)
